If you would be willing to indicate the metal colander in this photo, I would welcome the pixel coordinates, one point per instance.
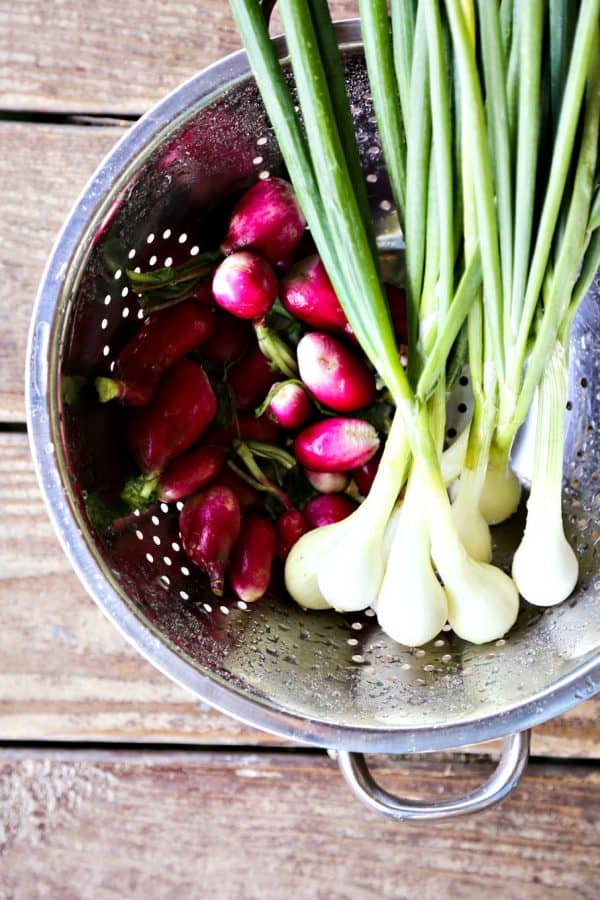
(330, 680)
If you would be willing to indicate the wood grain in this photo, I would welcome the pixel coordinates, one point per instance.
(111, 56)
(106, 825)
(67, 674)
(42, 170)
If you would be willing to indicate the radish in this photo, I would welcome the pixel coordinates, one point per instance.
(291, 525)
(165, 337)
(257, 428)
(250, 379)
(182, 409)
(252, 559)
(245, 285)
(336, 445)
(187, 474)
(288, 404)
(328, 509)
(266, 219)
(209, 524)
(307, 293)
(248, 497)
(229, 341)
(364, 475)
(335, 375)
(328, 482)
(247, 426)
(202, 294)
(190, 472)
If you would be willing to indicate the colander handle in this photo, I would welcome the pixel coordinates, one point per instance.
(515, 752)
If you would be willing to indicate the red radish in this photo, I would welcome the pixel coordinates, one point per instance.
(245, 285)
(248, 497)
(364, 476)
(336, 445)
(209, 524)
(165, 337)
(183, 407)
(258, 428)
(247, 426)
(335, 375)
(187, 474)
(289, 404)
(252, 558)
(396, 298)
(250, 379)
(229, 341)
(266, 219)
(328, 482)
(222, 435)
(203, 294)
(307, 293)
(291, 525)
(327, 509)
(190, 472)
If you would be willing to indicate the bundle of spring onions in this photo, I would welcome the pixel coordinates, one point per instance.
(488, 117)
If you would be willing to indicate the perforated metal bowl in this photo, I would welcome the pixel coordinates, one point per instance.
(333, 681)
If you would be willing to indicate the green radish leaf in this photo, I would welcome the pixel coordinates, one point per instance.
(102, 514)
(298, 487)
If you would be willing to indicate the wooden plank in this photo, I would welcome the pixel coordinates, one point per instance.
(107, 825)
(42, 170)
(67, 674)
(110, 56)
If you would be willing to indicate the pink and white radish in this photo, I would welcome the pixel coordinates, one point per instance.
(328, 482)
(288, 404)
(266, 219)
(245, 285)
(336, 445)
(336, 376)
(307, 293)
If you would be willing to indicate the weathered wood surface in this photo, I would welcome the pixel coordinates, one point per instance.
(106, 825)
(111, 56)
(66, 673)
(42, 170)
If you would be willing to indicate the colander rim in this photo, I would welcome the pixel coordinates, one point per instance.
(62, 272)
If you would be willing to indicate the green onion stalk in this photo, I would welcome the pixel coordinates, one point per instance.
(541, 293)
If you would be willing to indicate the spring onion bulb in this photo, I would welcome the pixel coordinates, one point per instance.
(302, 565)
(453, 458)
(411, 605)
(500, 493)
(471, 525)
(390, 531)
(351, 572)
(545, 567)
(483, 601)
